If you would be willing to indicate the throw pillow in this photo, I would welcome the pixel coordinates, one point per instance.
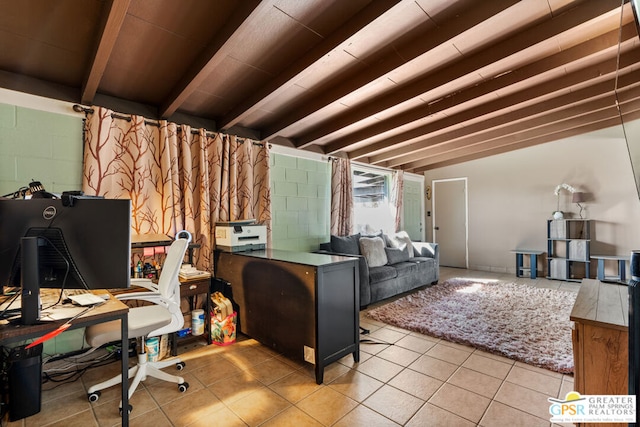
(372, 249)
(401, 240)
(346, 245)
(396, 255)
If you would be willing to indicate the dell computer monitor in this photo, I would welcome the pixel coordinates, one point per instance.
(82, 243)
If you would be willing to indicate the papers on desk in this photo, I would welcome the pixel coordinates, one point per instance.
(86, 299)
(188, 271)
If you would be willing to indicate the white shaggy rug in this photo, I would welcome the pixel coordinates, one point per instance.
(520, 322)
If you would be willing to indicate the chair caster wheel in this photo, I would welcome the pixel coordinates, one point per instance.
(129, 411)
(93, 397)
(183, 387)
(180, 366)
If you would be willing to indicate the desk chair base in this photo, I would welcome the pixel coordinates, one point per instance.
(139, 373)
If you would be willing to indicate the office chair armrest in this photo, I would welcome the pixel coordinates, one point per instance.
(145, 283)
(152, 297)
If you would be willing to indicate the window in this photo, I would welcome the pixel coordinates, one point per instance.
(371, 200)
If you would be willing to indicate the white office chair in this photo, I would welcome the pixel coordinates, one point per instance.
(163, 317)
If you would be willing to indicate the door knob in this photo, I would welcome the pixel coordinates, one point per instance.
(436, 228)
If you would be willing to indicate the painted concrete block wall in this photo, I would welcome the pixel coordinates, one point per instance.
(300, 203)
(41, 146)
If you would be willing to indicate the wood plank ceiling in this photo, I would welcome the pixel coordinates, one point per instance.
(410, 84)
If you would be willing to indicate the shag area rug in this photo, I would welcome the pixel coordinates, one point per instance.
(520, 322)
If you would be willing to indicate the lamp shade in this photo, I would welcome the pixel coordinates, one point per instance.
(577, 197)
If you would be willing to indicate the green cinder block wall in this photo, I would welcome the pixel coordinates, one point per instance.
(300, 202)
(41, 146)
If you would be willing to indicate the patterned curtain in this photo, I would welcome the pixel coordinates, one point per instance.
(176, 179)
(396, 197)
(341, 197)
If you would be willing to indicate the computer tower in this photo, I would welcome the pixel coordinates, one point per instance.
(24, 374)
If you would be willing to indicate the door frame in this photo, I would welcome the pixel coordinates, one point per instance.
(416, 178)
(466, 213)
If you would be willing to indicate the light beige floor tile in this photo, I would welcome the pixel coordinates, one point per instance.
(154, 418)
(236, 387)
(363, 416)
(295, 387)
(433, 416)
(292, 417)
(356, 385)
(380, 369)
(224, 417)
(372, 346)
(327, 405)
(494, 356)
(415, 343)
(500, 415)
(524, 399)
(477, 382)
(539, 370)
(163, 391)
(416, 384)
(388, 335)
(488, 366)
(248, 358)
(270, 370)
(535, 380)
(108, 413)
(189, 408)
(80, 419)
(260, 406)
(425, 337)
(448, 354)
(394, 404)
(464, 403)
(208, 375)
(462, 347)
(350, 363)
(333, 371)
(398, 355)
(435, 368)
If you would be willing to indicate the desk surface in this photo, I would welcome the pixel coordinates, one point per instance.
(600, 303)
(112, 309)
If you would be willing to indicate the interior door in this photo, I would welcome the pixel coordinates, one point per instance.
(450, 221)
(412, 207)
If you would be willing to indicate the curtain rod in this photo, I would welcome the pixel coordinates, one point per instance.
(87, 110)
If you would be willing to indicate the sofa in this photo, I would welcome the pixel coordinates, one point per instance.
(388, 264)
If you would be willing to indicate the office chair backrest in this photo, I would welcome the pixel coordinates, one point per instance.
(169, 283)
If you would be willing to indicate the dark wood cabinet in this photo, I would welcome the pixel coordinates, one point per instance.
(303, 305)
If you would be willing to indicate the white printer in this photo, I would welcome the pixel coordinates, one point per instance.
(238, 236)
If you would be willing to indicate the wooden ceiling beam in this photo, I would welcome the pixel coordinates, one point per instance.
(214, 53)
(559, 61)
(426, 42)
(526, 38)
(598, 73)
(408, 153)
(605, 115)
(109, 31)
(280, 83)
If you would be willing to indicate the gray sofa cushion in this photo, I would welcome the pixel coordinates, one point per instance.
(346, 244)
(405, 268)
(396, 255)
(372, 248)
(380, 274)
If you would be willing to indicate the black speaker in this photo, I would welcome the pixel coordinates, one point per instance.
(30, 280)
(25, 381)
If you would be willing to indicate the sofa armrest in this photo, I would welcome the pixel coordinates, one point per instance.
(427, 250)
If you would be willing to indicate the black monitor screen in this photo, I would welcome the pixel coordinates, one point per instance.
(83, 245)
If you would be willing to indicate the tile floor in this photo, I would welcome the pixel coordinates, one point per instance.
(417, 381)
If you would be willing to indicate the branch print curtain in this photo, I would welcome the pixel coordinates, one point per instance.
(341, 197)
(396, 197)
(176, 179)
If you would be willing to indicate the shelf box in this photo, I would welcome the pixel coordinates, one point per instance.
(558, 229)
(578, 250)
(558, 268)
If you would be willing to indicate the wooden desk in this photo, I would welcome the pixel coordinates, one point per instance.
(111, 310)
(601, 339)
(304, 305)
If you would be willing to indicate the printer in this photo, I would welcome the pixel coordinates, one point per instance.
(239, 236)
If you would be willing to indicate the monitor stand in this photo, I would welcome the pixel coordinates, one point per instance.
(30, 278)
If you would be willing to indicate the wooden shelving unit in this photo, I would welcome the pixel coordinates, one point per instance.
(568, 249)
